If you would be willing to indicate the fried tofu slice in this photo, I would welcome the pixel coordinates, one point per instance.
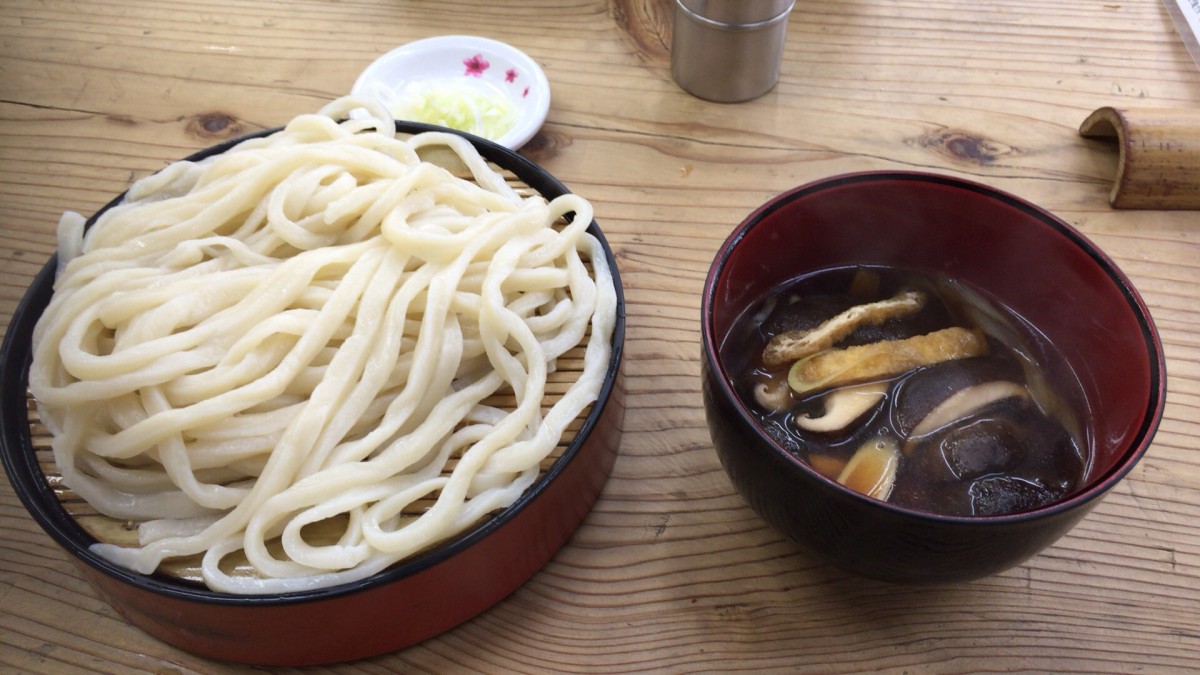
(886, 358)
(790, 346)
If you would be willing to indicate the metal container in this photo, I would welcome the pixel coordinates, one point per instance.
(728, 50)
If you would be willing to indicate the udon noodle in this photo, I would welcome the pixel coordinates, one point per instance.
(303, 330)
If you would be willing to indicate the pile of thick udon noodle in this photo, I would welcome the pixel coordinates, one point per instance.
(304, 329)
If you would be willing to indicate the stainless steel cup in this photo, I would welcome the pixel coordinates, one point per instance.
(728, 50)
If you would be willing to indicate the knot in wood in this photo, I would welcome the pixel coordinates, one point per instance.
(964, 146)
(214, 125)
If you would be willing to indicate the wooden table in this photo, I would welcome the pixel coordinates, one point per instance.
(671, 571)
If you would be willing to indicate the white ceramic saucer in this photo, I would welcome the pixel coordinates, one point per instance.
(487, 66)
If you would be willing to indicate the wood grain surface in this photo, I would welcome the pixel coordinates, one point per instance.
(671, 571)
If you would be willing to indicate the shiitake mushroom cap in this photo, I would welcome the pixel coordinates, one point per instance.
(923, 390)
(1005, 457)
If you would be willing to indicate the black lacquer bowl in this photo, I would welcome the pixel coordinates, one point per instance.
(1033, 262)
(397, 607)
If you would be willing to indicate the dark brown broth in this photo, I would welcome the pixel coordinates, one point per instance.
(1009, 456)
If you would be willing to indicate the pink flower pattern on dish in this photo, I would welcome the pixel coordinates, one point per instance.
(476, 65)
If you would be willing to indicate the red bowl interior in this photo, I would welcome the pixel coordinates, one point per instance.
(1020, 255)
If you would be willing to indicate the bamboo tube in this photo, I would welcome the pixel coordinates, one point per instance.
(1159, 162)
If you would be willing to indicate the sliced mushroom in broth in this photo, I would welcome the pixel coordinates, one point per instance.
(957, 406)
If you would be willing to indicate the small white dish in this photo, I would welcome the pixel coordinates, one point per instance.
(483, 77)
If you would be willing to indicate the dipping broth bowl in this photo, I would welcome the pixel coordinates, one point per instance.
(1018, 254)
